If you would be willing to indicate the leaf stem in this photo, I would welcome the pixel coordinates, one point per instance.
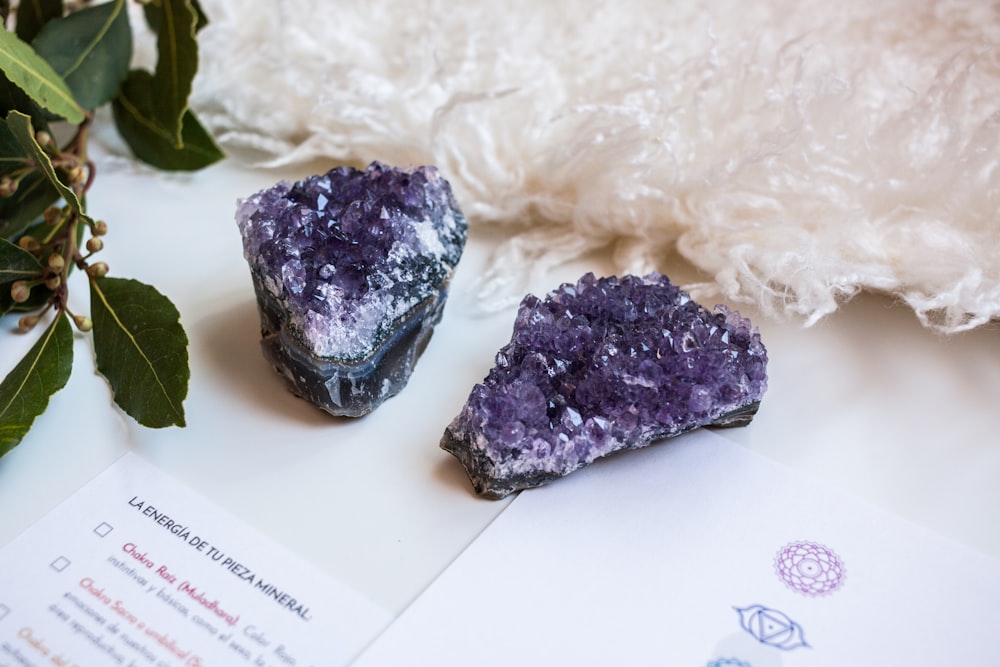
(91, 173)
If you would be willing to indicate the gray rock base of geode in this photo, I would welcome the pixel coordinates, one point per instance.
(350, 388)
(486, 484)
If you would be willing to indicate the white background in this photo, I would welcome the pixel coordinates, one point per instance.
(866, 400)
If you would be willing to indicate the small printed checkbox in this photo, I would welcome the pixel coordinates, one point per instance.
(60, 564)
(103, 529)
(4, 610)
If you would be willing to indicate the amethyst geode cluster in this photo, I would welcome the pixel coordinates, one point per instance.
(351, 270)
(599, 366)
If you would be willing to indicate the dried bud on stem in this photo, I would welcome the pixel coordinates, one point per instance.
(98, 270)
(8, 186)
(28, 243)
(20, 291)
(56, 262)
(83, 323)
(45, 140)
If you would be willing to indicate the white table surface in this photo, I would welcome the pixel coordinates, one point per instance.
(867, 401)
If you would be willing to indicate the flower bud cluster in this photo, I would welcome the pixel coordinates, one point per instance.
(54, 242)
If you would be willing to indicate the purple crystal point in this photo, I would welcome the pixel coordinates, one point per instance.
(351, 270)
(599, 366)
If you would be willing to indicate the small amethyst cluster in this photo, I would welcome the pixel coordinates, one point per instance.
(351, 270)
(599, 366)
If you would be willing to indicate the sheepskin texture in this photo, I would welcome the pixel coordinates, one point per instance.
(796, 151)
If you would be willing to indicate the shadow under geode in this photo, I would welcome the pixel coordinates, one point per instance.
(449, 472)
(231, 341)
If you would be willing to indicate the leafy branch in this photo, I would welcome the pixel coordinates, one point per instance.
(60, 63)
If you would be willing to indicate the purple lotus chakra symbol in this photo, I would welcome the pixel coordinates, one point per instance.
(810, 568)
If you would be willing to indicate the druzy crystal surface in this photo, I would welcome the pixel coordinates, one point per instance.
(600, 366)
(351, 270)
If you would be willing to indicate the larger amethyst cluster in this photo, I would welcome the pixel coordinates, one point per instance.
(351, 270)
(599, 366)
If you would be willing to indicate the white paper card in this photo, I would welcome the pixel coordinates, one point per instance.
(697, 552)
(136, 570)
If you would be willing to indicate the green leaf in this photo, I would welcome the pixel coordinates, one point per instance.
(90, 49)
(153, 14)
(33, 14)
(6, 303)
(11, 154)
(16, 263)
(134, 111)
(34, 76)
(25, 392)
(33, 196)
(35, 193)
(175, 22)
(40, 296)
(13, 98)
(141, 349)
(20, 127)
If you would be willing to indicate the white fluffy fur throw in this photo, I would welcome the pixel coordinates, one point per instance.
(795, 150)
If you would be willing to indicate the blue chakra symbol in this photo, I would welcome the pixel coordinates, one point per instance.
(771, 627)
(728, 662)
